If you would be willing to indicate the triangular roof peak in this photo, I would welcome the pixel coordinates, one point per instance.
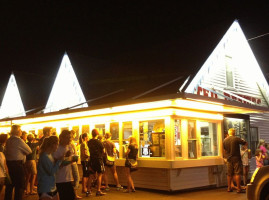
(12, 105)
(232, 72)
(66, 91)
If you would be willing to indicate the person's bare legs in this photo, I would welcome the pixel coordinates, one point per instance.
(28, 183)
(105, 177)
(229, 180)
(32, 183)
(84, 184)
(238, 182)
(115, 175)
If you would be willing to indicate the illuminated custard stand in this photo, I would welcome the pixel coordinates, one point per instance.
(179, 139)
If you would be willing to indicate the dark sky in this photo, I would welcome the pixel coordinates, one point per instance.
(35, 34)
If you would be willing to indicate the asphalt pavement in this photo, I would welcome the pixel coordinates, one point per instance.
(143, 194)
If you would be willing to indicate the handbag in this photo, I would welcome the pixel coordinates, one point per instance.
(7, 177)
(110, 160)
(132, 163)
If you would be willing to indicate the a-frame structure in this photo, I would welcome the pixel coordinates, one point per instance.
(232, 72)
(12, 105)
(66, 91)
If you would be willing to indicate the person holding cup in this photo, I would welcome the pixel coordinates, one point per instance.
(74, 165)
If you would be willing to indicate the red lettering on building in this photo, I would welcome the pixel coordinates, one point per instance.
(208, 93)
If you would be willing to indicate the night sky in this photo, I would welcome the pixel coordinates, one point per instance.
(35, 34)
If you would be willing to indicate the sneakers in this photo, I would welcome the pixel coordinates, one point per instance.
(88, 193)
(99, 193)
(119, 187)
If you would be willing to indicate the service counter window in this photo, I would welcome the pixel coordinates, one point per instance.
(101, 128)
(192, 140)
(127, 131)
(152, 138)
(178, 147)
(209, 138)
(114, 130)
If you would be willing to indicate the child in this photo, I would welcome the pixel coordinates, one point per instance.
(259, 158)
(245, 155)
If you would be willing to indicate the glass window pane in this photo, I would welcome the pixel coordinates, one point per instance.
(85, 129)
(191, 129)
(101, 128)
(192, 151)
(209, 140)
(152, 138)
(127, 130)
(178, 151)
(114, 130)
(229, 71)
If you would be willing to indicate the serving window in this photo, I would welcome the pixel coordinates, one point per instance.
(178, 146)
(152, 138)
(209, 138)
(127, 131)
(192, 140)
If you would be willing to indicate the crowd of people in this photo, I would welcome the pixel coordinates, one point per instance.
(53, 160)
(237, 160)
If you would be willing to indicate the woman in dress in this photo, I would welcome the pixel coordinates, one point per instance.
(47, 168)
(131, 153)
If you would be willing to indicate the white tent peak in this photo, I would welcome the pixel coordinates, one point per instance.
(233, 51)
(66, 91)
(12, 105)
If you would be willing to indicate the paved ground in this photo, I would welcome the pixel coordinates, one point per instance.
(142, 194)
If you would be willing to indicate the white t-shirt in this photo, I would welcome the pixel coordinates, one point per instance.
(64, 174)
(2, 165)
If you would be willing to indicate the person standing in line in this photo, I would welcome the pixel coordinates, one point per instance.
(16, 150)
(3, 140)
(47, 168)
(245, 156)
(74, 165)
(97, 150)
(110, 150)
(231, 147)
(259, 158)
(46, 133)
(131, 153)
(3, 171)
(24, 136)
(30, 164)
(263, 149)
(64, 176)
(84, 157)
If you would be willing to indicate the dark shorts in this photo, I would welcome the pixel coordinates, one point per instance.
(66, 190)
(97, 165)
(234, 168)
(85, 168)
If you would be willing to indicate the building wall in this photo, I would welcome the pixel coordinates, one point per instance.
(174, 179)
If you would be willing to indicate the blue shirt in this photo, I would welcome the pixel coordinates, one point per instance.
(46, 170)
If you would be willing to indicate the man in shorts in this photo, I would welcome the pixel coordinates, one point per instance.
(231, 146)
(97, 150)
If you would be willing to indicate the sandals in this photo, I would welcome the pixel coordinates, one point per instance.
(240, 191)
(99, 193)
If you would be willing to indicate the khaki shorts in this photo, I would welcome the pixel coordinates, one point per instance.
(30, 166)
(234, 168)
